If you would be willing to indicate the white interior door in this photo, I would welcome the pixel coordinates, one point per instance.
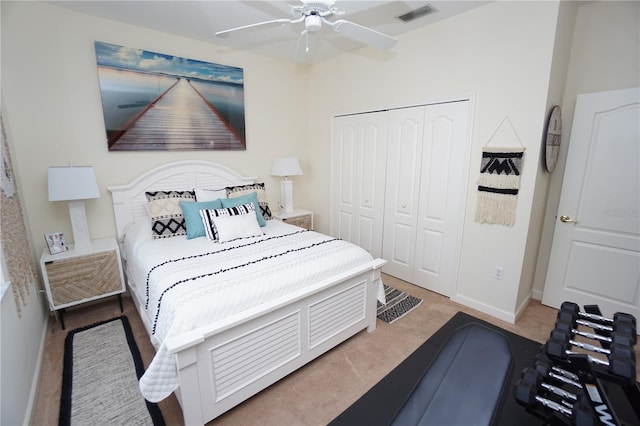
(443, 179)
(359, 150)
(595, 256)
(405, 143)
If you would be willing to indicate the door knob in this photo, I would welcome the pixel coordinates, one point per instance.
(567, 219)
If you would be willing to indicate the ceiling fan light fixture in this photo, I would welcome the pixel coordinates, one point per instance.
(313, 23)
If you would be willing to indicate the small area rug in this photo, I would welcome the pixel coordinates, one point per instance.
(398, 304)
(102, 365)
(383, 401)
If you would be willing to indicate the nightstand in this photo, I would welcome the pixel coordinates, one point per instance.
(78, 276)
(298, 217)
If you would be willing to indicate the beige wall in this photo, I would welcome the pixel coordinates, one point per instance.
(53, 105)
(558, 72)
(501, 54)
(605, 55)
(21, 343)
(508, 56)
(514, 59)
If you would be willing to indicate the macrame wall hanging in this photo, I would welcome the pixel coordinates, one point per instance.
(499, 180)
(15, 243)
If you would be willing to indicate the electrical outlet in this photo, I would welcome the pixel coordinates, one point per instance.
(499, 273)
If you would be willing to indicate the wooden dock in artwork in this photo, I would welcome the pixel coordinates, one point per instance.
(180, 119)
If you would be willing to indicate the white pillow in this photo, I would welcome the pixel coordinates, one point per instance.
(210, 194)
(239, 226)
(231, 230)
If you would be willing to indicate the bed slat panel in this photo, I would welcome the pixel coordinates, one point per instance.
(330, 316)
(238, 363)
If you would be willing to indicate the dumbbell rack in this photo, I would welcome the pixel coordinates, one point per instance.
(576, 388)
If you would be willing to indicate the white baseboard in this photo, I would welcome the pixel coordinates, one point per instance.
(38, 297)
(482, 307)
(523, 305)
(31, 404)
(536, 294)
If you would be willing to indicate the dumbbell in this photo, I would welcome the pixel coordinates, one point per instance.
(546, 369)
(622, 328)
(623, 351)
(618, 317)
(542, 358)
(621, 366)
(527, 388)
(615, 337)
(621, 322)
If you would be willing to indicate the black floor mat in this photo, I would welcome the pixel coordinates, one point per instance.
(382, 402)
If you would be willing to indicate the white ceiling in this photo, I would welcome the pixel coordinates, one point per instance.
(201, 19)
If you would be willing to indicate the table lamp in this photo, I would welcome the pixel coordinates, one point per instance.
(285, 167)
(73, 185)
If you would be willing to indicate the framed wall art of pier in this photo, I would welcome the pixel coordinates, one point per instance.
(157, 102)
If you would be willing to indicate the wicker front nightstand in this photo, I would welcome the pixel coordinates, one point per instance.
(298, 217)
(78, 276)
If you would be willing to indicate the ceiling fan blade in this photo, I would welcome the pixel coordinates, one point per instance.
(260, 25)
(363, 34)
(306, 43)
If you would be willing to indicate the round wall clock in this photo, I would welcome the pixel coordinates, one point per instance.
(552, 140)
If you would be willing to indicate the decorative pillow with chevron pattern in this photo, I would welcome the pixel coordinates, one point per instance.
(167, 219)
(240, 190)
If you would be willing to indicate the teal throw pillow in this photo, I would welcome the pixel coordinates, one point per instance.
(191, 213)
(249, 198)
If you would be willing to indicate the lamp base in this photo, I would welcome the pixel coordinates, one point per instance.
(286, 196)
(79, 225)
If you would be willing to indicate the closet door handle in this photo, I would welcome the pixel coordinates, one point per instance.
(404, 206)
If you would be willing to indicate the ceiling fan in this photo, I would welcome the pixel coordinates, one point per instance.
(315, 14)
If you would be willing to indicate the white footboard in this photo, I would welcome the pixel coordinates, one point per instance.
(222, 365)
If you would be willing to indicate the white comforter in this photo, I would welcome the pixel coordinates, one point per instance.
(183, 284)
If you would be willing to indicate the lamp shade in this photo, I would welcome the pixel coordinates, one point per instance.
(72, 183)
(286, 166)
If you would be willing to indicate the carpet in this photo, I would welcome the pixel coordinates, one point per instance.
(398, 304)
(102, 365)
(382, 402)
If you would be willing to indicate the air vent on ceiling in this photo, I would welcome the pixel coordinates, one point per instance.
(417, 13)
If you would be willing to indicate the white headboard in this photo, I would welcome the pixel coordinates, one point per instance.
(129, 200)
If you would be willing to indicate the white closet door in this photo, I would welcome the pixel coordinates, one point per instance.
(406, 129)
(444, 171)
(343, 146)
(398, 187)
(358, 159)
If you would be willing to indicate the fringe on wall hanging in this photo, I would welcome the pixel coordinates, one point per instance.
(499, 182)
(15, 241)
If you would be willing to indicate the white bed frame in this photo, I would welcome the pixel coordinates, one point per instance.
(224, 363)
